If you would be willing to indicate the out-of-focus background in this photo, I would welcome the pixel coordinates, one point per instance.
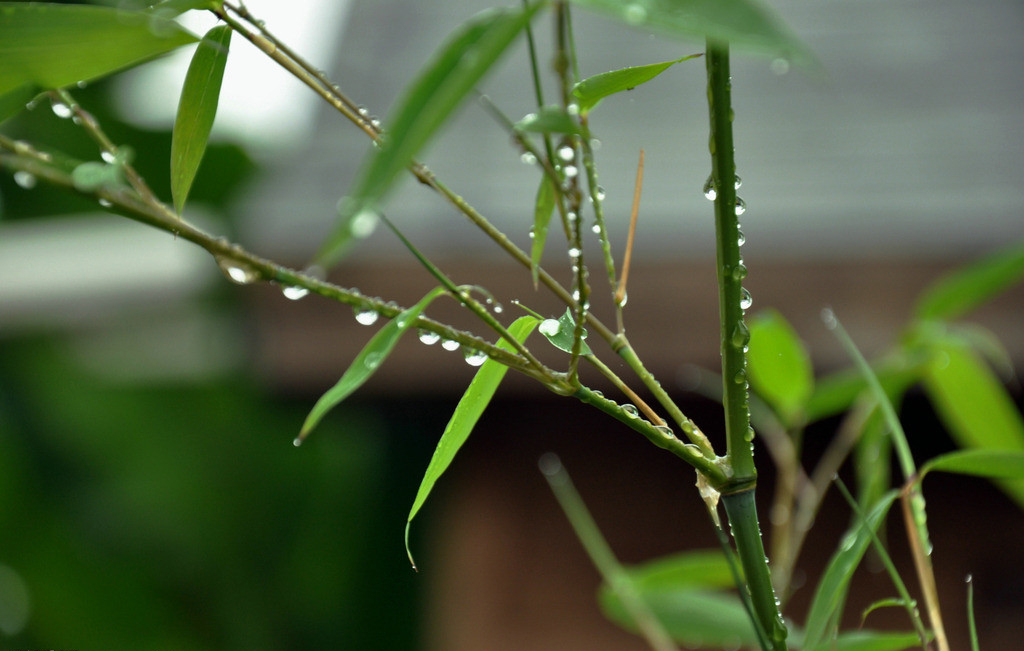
(150, 497)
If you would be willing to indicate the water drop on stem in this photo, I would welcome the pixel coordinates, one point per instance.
(428, 338)
(366, 317)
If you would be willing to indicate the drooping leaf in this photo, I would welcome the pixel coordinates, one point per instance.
(778, 365)
(14, 101)
(197, 109)
(890, 602)
(172, 8)
(52, 46)
(476, 398)
(690, 616)
(592, 90)
(974, 406)
(965, 289)
(743, 23)
(561, 333)
(551, 119)
(367, 361)
(542, 211)
(440, 88)
(993, 464)
(831, 591)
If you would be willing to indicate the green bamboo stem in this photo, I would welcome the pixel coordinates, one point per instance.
(742, 513)
(738, 495)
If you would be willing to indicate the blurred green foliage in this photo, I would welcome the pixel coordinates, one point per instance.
(180, 516)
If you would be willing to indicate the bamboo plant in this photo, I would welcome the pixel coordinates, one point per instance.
(48, 49)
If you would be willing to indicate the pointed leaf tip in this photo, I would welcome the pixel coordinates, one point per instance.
(469, 410)
(197, 110)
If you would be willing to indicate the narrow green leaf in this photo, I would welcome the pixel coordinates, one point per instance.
(197, 110)
(778, 366)
(52, 46)
(742, 23)
(542, 211)
(431, 99)
(476, 398)
(974, 406)
(551, 119)
(561, 333)
(890, 602)
(993, 464)
(965, 289)
(366, 362)
(15, 101)
(695, 618)
(592, 90)
(876, 641)
(831, 591)
(172, 8)
(702, 568)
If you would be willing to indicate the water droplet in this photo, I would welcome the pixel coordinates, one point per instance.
(366, 317)
(741, 239)
(570, 171)
(528, 158)
(595, 144)
(665, 431)
(740, 377)
(574, 252)
(297, 441)
(570, 216)
(429, 338)
(575, 294)
(474, 357)
(549, 327)
(363, 224)
(625, 298)
(573, 109)
(829, 317)
(741, 206)
(294, 292)
(779, 66)
(635, 13)
(106, 203)
(709, 189)
(566, 153)
(449, 344)
(749, 436)
(688, 427)
(630, 410)
(532, 234)
(599, 193)
(739, 272)
(738, 182)
(740, 335)
(25, 179)
(108, 156)
(373, 360)
(237, 272)
(61, 110)
(596, 228)
(746, 300)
